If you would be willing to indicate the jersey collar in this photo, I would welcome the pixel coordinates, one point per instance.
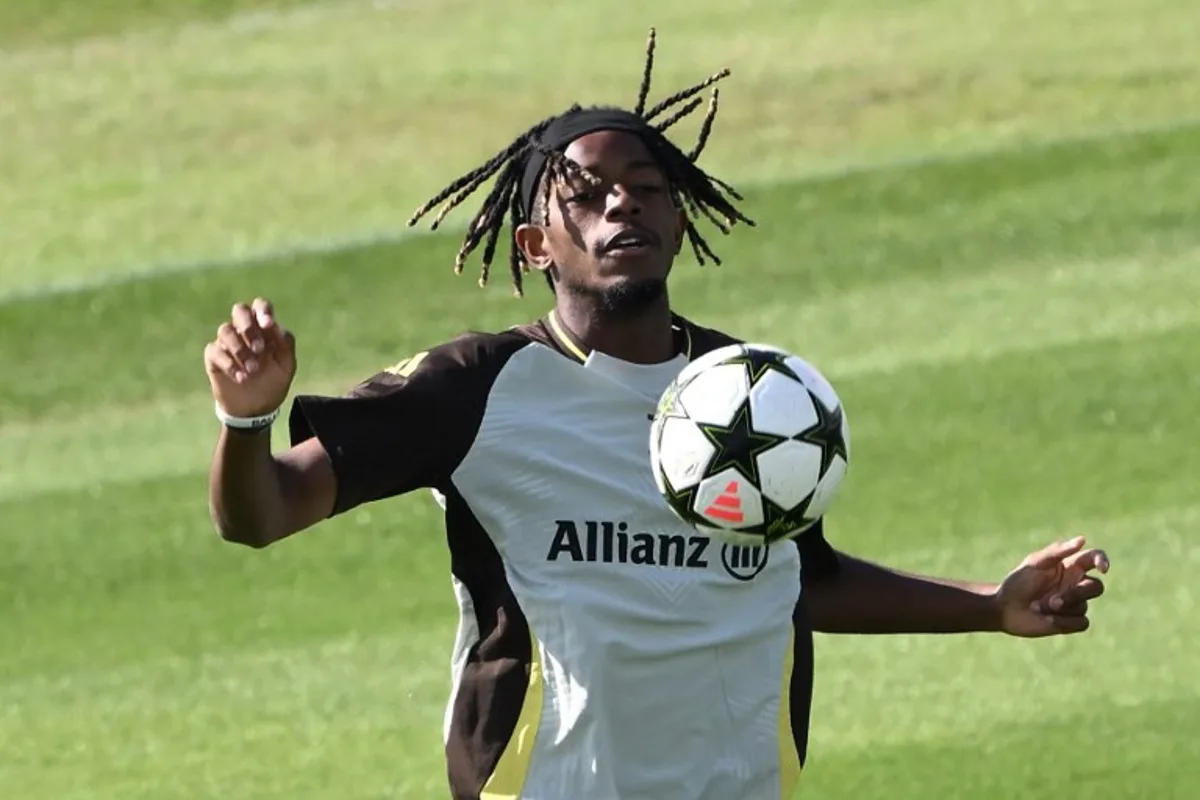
(576, 350)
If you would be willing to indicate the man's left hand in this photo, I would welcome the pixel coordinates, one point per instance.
(1048, 593)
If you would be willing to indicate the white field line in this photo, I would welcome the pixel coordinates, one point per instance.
(251, 22)
(243, 22)
(328, 245)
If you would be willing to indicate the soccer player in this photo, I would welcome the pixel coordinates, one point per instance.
(604, 649)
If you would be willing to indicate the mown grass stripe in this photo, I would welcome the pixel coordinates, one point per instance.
(901, 325)
(117, 275)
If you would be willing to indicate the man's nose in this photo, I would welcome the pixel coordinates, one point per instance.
(621, 202)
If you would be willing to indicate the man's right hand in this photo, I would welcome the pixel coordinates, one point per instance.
(252, 361)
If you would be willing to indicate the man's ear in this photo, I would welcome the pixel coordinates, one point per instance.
(535, 245)
(680, 229)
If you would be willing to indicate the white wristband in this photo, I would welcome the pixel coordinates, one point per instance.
(246, 423)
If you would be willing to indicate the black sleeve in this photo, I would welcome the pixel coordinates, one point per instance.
(818, 559)
(407, 427)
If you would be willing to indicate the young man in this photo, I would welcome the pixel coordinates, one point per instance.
(604, 650)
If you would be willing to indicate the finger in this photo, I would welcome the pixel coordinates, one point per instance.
(1079, 609)
(276, 335)
(220, 362)
(1055, 605)
(1087, 589)
(1087, 560)
(284, 353)
(1067, 625)
(264, 312)
(235, 344)
(246, 325)
(1052, 555)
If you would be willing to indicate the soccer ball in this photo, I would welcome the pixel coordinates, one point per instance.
(749, 444)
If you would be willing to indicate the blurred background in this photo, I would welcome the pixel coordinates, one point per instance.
(977, 217)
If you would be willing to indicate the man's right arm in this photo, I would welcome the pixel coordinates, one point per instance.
(257, 498)
(404, 428)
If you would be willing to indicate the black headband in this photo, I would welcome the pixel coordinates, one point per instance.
(571, 126)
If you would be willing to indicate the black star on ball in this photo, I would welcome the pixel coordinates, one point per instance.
(780, 523)
(684, 503)
(760, 362)
(825, 433)
(738, 445)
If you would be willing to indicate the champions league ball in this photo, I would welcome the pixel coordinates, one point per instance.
(749, 444)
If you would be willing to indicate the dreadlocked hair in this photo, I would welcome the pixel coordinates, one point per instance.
(692, 189)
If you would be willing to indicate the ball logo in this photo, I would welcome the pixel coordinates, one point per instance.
(744, 563)
(728, 506)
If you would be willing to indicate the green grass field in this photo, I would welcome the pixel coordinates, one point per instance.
(979, 218)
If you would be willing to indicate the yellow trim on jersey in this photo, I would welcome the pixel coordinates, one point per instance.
(408, 366)
(687, 347)
(507, 780)
(564, 338)
(789, 759)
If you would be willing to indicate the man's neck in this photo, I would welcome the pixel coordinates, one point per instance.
(642, 338)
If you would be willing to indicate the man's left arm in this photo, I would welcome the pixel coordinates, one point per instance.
(1046, 594)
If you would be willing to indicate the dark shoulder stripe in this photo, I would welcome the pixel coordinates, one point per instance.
(408, 426)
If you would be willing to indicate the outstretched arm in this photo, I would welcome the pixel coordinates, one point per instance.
(1047, 594)
(867, 598)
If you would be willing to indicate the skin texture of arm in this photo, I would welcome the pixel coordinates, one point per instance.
(867, 598)
(257, 499)
(1047, 594)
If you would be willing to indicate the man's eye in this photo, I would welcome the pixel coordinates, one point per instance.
(583, 197)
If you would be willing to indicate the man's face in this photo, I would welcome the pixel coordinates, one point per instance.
(615, 240)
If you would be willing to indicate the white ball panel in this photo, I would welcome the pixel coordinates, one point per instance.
(827, 489)
(709, 359)
(683, 452)
(729, 501)
(715, 394)
(815, 381)
(789, 472)
(780, 405)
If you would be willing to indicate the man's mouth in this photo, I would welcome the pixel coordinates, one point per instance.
(630, 241)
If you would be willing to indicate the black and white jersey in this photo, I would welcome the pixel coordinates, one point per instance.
(605, 649)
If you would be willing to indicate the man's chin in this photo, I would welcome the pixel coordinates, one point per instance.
(626, 296)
